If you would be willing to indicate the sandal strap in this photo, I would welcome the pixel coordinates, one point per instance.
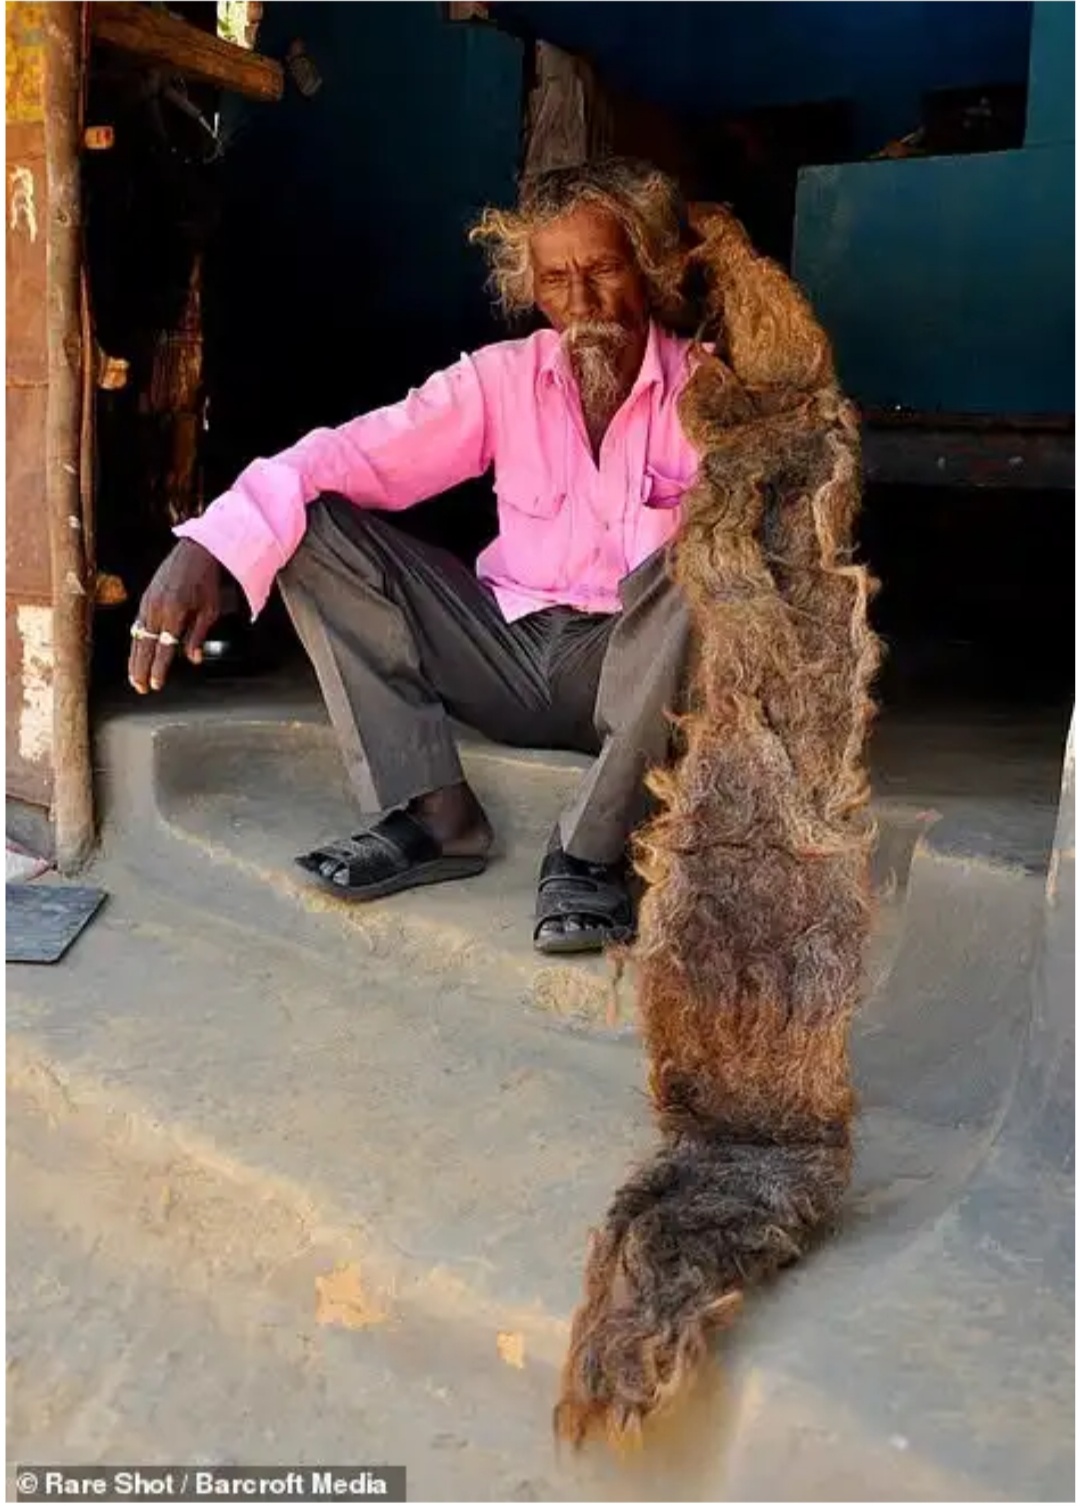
(407, 836)
(395, 843)
(593, 891)
(558, 864)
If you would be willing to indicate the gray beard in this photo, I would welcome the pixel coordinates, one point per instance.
(595, 350)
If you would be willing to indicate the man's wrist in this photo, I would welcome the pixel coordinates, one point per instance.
(194, 549)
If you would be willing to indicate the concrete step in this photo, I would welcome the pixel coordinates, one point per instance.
(216, 1121)
(115, 1357)
(251, 791)
(283, 1110)
(268, 1108)
(145, 1324)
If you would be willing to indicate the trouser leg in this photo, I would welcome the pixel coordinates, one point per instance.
(644, 665)
(403, 636)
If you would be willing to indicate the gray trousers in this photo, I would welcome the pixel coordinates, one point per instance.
(403, 636)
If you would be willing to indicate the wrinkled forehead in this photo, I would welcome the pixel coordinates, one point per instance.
(584, 235)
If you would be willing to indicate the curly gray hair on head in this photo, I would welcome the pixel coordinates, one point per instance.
(645, 201)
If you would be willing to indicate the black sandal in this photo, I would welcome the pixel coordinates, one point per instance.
(572, 889)
(398, 853)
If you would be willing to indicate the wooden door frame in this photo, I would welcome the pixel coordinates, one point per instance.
(65, 39)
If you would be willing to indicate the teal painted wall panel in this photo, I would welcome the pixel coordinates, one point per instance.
(705, 58)
(343, 261)
(1052, 77)
(946, 283)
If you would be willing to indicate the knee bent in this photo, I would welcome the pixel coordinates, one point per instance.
(333, 526)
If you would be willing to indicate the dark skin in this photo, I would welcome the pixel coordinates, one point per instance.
(583, 271)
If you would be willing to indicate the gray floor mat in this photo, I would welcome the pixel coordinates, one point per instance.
(44, 919)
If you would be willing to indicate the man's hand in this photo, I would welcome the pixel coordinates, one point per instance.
(181, 605)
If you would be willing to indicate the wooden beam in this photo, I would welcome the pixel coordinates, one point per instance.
(155, 37)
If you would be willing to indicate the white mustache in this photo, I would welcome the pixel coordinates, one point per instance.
(602, 332)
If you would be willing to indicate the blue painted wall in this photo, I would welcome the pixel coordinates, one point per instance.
(709, 58)
(342, 273)
(1052, 82)
(947, 283)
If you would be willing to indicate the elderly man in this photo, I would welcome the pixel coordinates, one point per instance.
(568, 634)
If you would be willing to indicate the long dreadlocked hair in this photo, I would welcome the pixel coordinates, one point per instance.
(757, 908)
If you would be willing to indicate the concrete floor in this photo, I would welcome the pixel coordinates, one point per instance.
(294, 1181)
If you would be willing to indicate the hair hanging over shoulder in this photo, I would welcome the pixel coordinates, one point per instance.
(757, 909)
(644, 200)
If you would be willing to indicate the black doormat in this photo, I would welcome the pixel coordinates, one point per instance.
(44, 919)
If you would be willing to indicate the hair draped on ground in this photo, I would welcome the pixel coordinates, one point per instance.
(757, 905)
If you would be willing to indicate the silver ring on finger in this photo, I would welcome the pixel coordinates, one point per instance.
(139, 632)
(170, 640)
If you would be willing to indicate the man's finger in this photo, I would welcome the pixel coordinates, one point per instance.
(196, 634)
(170, 634)
(143, 647)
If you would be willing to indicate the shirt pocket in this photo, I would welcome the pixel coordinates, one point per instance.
(522, 492)
(662, 489)
(533, 515)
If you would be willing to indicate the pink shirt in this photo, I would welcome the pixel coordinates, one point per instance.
(570, 527)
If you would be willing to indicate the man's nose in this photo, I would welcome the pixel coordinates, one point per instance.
(581, 299)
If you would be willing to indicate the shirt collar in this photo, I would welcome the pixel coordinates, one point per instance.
(556, 367)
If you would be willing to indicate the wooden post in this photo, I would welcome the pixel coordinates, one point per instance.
(73, 810)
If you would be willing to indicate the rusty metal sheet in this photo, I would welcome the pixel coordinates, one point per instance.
(28, 609)
(25, 61)
(28, 624)
(28, 631)
(26, 540)
(25, 236)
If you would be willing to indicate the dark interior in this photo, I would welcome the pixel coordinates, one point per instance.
(266, 269)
